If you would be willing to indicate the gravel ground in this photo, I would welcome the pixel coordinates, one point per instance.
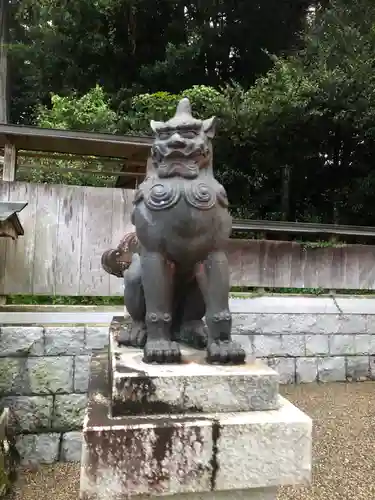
(344, 458)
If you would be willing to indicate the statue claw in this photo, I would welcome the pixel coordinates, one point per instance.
(161, 352)
(225, 352)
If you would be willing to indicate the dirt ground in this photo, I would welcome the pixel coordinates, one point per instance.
(344, 456)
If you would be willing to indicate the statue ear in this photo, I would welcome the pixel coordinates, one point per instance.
(209, 127)
(155, 125)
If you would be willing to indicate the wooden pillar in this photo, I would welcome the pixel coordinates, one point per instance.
(10, 162)
(333, 239)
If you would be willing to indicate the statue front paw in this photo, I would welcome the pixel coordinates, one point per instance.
(161, 352)
(225, 352)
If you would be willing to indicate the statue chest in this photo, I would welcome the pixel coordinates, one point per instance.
(167, 194)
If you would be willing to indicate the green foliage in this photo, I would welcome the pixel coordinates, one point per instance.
(138, 46)
(162, 106)
(89, 112)
(313, 112)
(297, 144)
(57, 300)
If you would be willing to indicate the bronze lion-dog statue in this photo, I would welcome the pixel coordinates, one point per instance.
(175, 267)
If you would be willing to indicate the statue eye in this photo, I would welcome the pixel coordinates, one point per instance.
(188, 134)
(164, 135)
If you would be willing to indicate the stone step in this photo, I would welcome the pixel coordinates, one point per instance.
(174, 454)
(192, 386)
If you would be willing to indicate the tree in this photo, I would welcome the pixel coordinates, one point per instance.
(297, 144)
(4, 61)
(135, 46)
(313, 113)
(90, 112)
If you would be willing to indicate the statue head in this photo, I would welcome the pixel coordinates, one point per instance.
(182, 144)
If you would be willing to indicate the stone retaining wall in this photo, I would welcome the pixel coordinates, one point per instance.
(44, 370)
(43, 379)
(311, 347)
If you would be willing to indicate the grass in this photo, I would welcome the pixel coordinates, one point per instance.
(118, 301)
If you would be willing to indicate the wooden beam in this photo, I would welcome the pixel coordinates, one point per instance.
(75, 142)
(10, 163)
(106, 173)
(95, 160)
(300, 228)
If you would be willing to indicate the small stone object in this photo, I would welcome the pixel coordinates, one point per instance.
(175, 267)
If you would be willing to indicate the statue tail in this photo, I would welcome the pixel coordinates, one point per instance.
(117, 261)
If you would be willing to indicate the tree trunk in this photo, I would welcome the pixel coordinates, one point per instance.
(4, 61)
(285, 193)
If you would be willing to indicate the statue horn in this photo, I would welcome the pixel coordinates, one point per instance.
(183, 107)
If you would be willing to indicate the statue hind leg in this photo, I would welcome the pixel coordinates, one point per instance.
(135, 334)
(188, 314)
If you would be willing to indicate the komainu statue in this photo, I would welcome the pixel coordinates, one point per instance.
(175, 266)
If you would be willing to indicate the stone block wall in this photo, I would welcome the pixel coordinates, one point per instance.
(44, 370)
(44, 375)
(311, 347)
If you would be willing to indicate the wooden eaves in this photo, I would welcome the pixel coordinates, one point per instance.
(133, 150)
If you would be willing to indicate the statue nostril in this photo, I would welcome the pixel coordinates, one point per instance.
(176, 144)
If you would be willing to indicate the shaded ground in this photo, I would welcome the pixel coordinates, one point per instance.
(344, 455)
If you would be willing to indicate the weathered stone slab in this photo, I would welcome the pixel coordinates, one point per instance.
(37, 449)
(69, 411)
(29, 413)
(331, 369)
(257, 494)
(50, 375)
(285, 367)
(194, 385)
(64, 340)
(13, 379)
(71, 448)
(357, 368)
(354, 305)
(21, 341)
(81, 373)
(189, 453)
(283, 305)
(96, 337)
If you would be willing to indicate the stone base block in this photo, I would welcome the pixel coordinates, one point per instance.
(192, 386)
(161, 455)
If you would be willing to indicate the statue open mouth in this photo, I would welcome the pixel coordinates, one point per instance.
(179, 169)
(186, 153)
(183, 163)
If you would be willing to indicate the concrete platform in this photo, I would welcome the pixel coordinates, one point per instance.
(43, 315)
(274, 304)
(193, 386)
(161, 455)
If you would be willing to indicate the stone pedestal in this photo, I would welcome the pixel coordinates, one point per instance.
(189, 431)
